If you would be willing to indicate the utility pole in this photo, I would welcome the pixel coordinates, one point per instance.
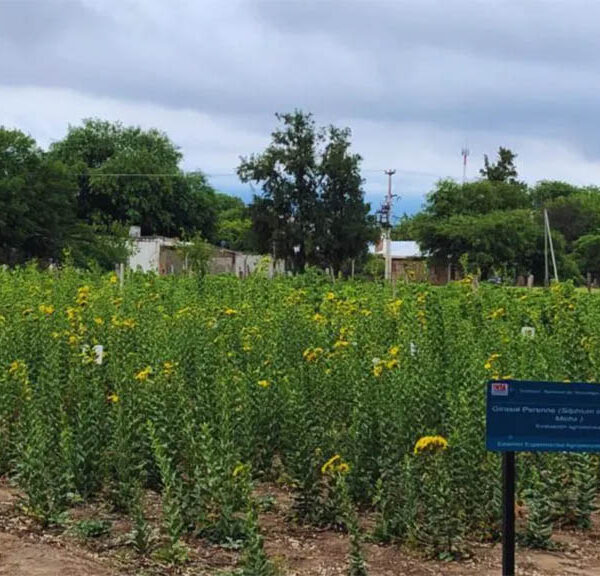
(465, 154)
(548, 244)
(386, 213)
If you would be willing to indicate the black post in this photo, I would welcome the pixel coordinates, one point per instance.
(508, 514)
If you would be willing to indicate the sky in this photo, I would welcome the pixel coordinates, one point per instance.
(416, 81)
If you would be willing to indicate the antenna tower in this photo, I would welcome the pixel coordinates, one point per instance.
(465, 154)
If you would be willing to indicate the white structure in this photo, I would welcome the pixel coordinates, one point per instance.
(406, 260)
(399, 249)
(155, 254)
(163, 256)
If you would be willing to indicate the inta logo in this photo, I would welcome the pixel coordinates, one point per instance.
(499, 388)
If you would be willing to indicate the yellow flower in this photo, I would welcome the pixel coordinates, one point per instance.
(14, 367)
(73, 339)
(391, 363)
(319, 318)
(330, 296)
(264, 383)
(378, 370)
(169, 368)
(238, 470)
(113, 398)
(335, 465)
(144, 374)
(48, 310)
(99, 321)
(431, 444)
(395, 305)
(329, 464)
(128, 323)
(83, 295)
(113, 279)
(311, 354)
(230, 312)
(497, 313)
(394, 351)
(341, 344)
(490, 361)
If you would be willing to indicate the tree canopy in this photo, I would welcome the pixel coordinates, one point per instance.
(37, 200)
(84, 193)
(503, 170)
(495, 224)
(312, 208)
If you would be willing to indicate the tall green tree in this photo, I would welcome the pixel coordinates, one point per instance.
(344, 227)
(312, 208)
(37, 201)
(132, 176)
(548, 190)
(288, 173)
(503, 170)
(450, 198)
(575, 215)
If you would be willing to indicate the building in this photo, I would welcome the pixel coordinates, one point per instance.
(408, 262)
(155, 253)
(225, 261)
(163, 255)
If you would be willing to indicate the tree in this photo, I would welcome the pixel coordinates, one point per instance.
(503, 170)
(264, 222)
(493, 241)
(131, 176)
(37, 201)
(233, 225)
(194, 207)
(575, 215)
(450, 198)
(548, 190)
(587, 254)
(344, 226)
(312, 209)
(288, 173)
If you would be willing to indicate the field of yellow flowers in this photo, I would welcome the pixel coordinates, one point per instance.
(357, 399)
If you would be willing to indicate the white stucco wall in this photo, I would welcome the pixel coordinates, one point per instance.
(145, 255)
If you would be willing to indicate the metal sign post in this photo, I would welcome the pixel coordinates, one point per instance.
(528, 416)
(508, 514)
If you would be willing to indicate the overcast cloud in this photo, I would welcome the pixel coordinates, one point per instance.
(414, 80)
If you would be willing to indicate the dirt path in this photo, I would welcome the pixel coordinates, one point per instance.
(19, 558)
(295, 550)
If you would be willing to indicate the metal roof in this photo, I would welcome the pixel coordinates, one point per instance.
(400, 249)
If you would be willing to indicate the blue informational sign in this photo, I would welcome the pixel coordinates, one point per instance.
(525, 416)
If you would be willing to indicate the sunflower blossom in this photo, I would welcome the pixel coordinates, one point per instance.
(431, 444)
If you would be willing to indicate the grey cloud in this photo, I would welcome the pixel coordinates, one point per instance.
(524, 68)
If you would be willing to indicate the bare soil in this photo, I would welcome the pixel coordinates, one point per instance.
(26, 550)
